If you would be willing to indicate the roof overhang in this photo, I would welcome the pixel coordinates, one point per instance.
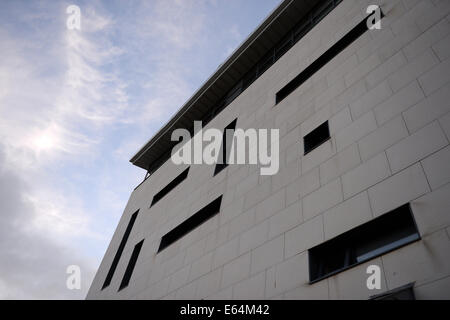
(256, 46)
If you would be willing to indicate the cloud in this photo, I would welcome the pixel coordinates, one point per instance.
(32, 265)
(162, 37)
(176, 23)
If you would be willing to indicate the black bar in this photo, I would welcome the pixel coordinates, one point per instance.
(277, 309)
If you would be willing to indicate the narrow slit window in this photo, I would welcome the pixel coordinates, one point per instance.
(131, 264)
(316, 137)
(119, 251)
(326, 57)
(172, 185)
(225, 148)
(191, 223)
(370, 240)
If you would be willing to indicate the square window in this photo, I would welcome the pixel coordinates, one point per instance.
(316, 137)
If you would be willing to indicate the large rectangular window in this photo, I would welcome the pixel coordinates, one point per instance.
(372, 239)
(191, 223)
(119, 251)
(326, 57)
(172, 185)
(131, 264)
(226, 147)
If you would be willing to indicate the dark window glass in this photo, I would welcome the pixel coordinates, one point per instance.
(130, 267)
(225, 148)
(119, 251)
(372, 239)
(175, 182)
(316, 137)
(191, 223)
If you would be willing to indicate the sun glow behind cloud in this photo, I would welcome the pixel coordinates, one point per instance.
(46, 140)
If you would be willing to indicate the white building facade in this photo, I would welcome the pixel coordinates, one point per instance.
(360, 206)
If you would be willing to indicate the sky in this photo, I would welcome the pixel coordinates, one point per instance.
(76, 105)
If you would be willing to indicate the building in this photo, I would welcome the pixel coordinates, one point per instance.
(362, 195)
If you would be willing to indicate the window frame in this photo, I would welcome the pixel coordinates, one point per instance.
(354, 236)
